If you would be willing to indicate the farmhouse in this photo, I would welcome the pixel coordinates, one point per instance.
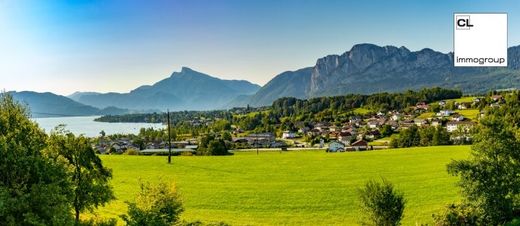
(257, 140)
(288, 135)
(345, 137)
(360, 145)
(454, 125)
(335, 147)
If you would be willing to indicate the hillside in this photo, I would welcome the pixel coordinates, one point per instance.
(368, 68)
(184, 90)
(52, 105)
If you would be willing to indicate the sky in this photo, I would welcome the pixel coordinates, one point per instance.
(63, 46)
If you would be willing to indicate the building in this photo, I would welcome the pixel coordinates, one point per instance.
(288, 135)
(345, 137)
(360, 145)
(336, 147)
(454, 125)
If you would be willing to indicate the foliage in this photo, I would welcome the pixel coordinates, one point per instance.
(211, 145)
(379, 102)
(155, 205)
(457, 215)
(98, 222)
(34, 189)
(381, 203)
(489, 179)
(89, 178)
(424, 136)
(131, 152)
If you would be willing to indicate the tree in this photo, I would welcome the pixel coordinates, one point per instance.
(386, 130)
(381, 203)
(489, 179)
(88, 176)
(407, 138)
(155, 205)
(218, 147)
(34, 189)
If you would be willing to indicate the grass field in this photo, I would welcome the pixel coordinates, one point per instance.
(467, 99)
(362, 111)
(469, 113)
(290, 188)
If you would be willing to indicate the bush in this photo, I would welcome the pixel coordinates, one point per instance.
(131, 151)
(99, 222)
(155, 205)
(457, 214)
(381, 203)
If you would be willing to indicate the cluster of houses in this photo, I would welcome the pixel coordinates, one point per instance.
(357, 131)
(351, 135)
(121, 145)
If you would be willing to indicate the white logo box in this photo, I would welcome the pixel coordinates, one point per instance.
(480, 39)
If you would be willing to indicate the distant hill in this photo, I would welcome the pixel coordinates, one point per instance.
(52, 105)
(369, 68)
(184, 90)
(77, 95)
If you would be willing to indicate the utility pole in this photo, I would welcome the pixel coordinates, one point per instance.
(256, 139)
(169, 139)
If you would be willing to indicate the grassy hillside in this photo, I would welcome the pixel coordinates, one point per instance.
(292, 188)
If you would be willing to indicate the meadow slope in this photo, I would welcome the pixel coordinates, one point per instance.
(291, 188)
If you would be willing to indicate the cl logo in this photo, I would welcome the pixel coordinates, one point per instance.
(462, 22)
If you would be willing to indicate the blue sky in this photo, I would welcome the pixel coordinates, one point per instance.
(117, 45)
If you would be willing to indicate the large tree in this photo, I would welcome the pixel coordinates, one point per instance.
(89, 178)
(34, 189)
(490, 178)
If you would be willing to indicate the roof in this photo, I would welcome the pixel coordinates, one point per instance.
(360, 143)
(174, 150)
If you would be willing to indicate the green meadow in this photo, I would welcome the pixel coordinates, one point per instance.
(290, 188)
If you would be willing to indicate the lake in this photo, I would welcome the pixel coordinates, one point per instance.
(87, 126)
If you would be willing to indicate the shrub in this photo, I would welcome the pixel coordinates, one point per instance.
(381, 203)
(131, 151)
(99, 222)
(155, 205)
(457, 214)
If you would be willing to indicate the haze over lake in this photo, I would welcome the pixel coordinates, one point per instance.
(87, 126)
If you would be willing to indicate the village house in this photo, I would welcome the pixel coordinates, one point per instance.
(373, 123)
(420, 122)
(288, 135)
(336, 147)
(436, 122)
(496, 97)
(360, 145)
(445, 113)
(256, 140)
(372, 134)
(345, 137)
(421, 106)
(454, 125)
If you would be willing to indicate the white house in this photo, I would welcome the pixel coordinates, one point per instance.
(288, 135)
(454, 125)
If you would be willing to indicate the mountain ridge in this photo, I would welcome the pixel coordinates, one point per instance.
(368, 68)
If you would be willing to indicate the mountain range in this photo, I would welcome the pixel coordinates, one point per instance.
(368, 68)
(52, 105)
(184, 90)
(364, 69)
